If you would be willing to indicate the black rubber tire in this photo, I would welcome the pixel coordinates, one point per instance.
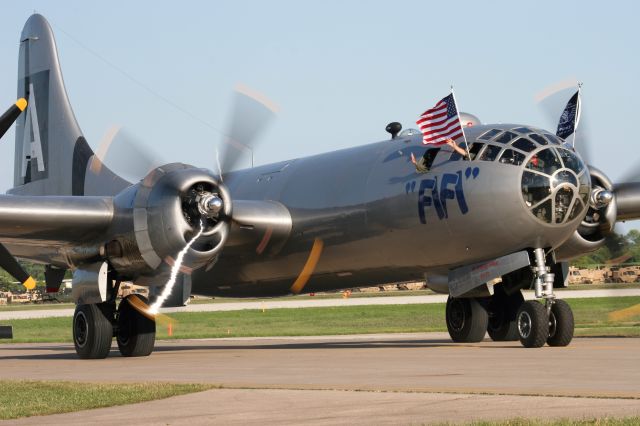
(503, 309)
(92, 330)
(533, 324)
(466, 320)
(136, 334)
(561, 324)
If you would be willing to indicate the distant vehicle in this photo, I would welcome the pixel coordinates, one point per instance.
(587, 275)
(576, 277)
(624, 275)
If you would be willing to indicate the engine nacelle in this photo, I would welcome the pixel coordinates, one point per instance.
(597, 224)
(158, 216)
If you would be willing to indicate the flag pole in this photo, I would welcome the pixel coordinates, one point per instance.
(466, 145)
(577, 117)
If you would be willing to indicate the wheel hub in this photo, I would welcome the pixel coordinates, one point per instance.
(524, 324)
(81, 329)
(457, 318)
(553, 324)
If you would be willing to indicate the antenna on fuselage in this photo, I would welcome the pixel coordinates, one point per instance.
(393, 128)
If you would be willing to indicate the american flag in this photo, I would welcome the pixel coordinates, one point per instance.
(440, 122)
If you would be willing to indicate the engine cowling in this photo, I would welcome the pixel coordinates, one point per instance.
(159, 215)
(597, 223)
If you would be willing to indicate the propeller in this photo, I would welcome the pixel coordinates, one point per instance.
(552, 101)
(126, 155)
(7, 119)
(609, 203)
(250, 115)
(7, 261)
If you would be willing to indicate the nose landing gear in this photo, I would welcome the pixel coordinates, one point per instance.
(552, 323)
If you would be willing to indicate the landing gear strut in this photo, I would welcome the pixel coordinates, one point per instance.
(552, 323)
(95, 325)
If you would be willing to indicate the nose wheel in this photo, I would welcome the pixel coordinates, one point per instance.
(561, 324)
(538, 324)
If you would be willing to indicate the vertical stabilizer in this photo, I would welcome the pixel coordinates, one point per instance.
(51, 154)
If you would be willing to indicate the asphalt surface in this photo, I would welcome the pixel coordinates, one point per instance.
(359, 379)
(313, 302)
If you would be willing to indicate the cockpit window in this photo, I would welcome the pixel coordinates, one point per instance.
(475, 149)
(488, 135)
(577, 208)
(543, 211)
(571, 161)
(524, 144)
(545, 161)
(490, 153)
(556, 186)
(535, 188)
(536, 137)
(553, 139)
(510, 156)
(455, 156)
(564, 196)
(506, 137)
(522, 130)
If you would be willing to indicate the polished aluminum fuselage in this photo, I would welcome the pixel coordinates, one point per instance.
(363, 203)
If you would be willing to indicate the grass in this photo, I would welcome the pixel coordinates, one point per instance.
(31, 398)
(336, 295)
(205, 300)
(629, 421)
(35, 307)
(26, 398)
(592, 319)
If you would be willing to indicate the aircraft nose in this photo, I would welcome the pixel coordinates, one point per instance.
(556, 186)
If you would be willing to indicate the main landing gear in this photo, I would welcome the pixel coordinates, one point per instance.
(95, 325)
(507, 317)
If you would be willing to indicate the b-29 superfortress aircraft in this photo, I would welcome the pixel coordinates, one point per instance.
(515, 211)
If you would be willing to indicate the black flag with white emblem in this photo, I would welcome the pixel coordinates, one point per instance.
(570, 116)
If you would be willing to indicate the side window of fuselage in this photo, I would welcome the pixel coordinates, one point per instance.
(429, 156)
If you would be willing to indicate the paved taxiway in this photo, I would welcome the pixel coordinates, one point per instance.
(318, 303)
(374, 379)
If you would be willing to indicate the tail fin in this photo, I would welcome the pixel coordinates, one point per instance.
(51, 154)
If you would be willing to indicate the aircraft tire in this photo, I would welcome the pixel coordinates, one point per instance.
(503, 309)
(561, 324)
(466, 320)
(92, 330)
(533, 324)
(136, 334)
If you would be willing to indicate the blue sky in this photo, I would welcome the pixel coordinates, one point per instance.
(338, 70)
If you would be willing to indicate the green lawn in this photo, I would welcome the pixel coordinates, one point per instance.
(27, 398)
(629, 421)
(31, 398)
(591, 320)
